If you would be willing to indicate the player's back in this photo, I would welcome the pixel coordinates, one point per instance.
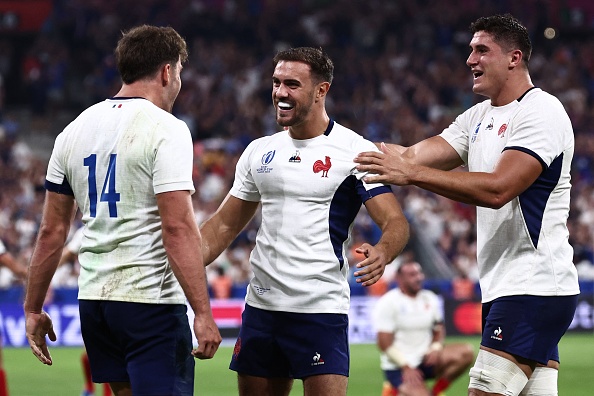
(116, 157)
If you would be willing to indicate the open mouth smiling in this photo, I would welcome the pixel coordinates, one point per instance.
(285, 106)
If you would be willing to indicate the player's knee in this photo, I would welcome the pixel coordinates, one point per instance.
(467, 354)
(413, 390)
(542, 382)
(494, 374)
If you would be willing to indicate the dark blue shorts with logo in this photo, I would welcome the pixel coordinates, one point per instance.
(148, 345)
(291, 345)
(527, 326)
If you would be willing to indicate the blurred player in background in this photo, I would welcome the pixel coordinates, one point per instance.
(19, 270)
(518, 146)
(411, 333)
(295, 323)
(127, 162)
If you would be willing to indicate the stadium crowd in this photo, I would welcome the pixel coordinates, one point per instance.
(399, 78)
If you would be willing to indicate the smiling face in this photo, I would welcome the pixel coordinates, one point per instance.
(293, 92)
(490, 65)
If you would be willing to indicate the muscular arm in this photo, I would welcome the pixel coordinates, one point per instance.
(512, 175)
(182, 243)
(58, 212)
(433, 152)
(223, 227)
(387, 214)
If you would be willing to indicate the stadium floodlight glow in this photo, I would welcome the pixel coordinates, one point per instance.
(550, 33)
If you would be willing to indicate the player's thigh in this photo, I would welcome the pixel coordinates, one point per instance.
(454, 355)
(106, 355)
(249, 385)
(256, 352)
(326, 384)
(527, 326)
(315, 344)
(159, 350)
(147, 345)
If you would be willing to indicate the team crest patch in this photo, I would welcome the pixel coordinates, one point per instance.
(323, 167)
(497, 334)
(295, 157)
(501, 132)
(317, 360)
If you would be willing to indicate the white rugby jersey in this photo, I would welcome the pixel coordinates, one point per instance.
(114, 158)
(310, 193)
(523, 247)
(411, 320)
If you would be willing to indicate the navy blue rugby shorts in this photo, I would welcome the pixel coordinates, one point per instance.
(148, 345)
(527, 326)
(395, 376)
(291, 345)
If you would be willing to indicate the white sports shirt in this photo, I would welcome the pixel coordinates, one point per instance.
(114, 158)
(310, 192)
(411, 320)
(523, 247)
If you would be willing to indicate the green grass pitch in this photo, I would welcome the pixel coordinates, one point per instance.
(27, 377)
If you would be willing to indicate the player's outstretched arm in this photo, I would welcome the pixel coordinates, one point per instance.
(225, 224)
(16, 267)
(386, 212)
(513, 174)
(58, 212)
(182, 242)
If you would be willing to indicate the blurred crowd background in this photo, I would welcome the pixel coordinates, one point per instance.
(400, 76)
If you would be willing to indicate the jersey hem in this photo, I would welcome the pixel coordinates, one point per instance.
(538, 294)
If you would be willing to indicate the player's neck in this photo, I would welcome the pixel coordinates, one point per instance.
(142, 89)
(310, 129)
(409, 293)
(513, 90)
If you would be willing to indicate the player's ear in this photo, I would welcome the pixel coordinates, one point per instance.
(322, 90)
(516, 58)
(165, 73)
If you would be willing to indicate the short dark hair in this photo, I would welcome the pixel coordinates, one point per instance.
(142, 50)
(322, 68)
(507, 31)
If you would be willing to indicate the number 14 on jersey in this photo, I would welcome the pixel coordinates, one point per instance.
(108, 192)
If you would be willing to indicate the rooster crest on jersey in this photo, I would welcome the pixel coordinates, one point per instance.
(323, 167)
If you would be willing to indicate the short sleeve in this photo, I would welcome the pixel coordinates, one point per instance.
(173, 163)
(457, 135)
(244, 186)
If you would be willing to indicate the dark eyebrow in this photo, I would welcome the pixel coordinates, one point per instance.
(287, 81)
(480, 47)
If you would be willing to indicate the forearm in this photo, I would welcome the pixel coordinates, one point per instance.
(395, 236)
(215, 239)
(44, 262)
(223, 227)
(387, 214)
(183, 246)
(474, 188)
